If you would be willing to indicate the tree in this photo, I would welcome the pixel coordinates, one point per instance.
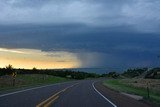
(34, 69)
(9, 69)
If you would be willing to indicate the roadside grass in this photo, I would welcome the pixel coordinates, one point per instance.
(28, 80)
(128, 86)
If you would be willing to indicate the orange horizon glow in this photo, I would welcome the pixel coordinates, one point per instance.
(29, 58)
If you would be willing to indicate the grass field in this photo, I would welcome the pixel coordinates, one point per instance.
(137, 87)
(28, 80)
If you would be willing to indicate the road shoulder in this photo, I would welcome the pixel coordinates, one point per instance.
(119, 99)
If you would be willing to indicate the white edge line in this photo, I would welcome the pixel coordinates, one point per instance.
(103, 95)
(3, 95)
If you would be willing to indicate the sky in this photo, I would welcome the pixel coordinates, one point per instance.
(115, 34)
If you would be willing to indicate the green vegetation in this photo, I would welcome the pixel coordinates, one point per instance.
(111, 75)
(137, 87)
(131, 73)
(153, 73)
(27, 80)
(66, 73)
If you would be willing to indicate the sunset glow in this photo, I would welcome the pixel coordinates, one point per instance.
(29, 58)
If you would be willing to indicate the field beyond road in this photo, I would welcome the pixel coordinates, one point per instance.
(28, 80)
(137, 87)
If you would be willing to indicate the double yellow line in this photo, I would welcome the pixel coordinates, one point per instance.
(50, 100)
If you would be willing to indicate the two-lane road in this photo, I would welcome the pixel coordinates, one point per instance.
(71, 94)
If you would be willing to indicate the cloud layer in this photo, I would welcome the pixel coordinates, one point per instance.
(142, 15)
(101, 33)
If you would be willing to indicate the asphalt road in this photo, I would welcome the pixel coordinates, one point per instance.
(71, 94)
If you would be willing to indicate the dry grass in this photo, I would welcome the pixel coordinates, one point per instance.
(25, 80)
(8, 81)
(153, 84)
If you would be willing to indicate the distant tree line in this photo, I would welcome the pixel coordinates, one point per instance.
(55, 72)
(136, 72)
(131, 73)
(111, 75)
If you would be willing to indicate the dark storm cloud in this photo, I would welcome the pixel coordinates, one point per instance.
(94, 46)
(76, 37)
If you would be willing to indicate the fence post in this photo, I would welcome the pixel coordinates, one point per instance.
(148, 90)
(14, 74)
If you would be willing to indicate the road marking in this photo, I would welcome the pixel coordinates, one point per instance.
(45, 101)
(3, 95)
(49, 100)
(102, 95)
(49, 103)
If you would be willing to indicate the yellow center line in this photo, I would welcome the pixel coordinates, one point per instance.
(45, 101)
(48, 101)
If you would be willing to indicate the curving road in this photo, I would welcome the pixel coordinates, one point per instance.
(71, 94)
